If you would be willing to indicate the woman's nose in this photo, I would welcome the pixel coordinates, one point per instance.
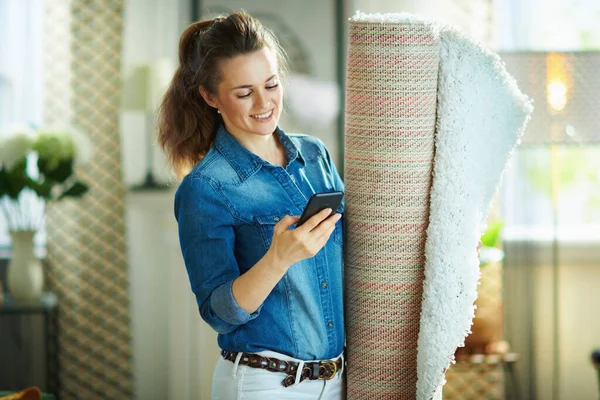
(262, 101)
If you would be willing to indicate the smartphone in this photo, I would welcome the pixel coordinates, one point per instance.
(319, 202)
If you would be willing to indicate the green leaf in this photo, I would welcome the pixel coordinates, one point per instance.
(42, 189)
(78, 189)
(59, 172)
(491, 236)
(4, 182)
(17, 180)
(20, 168)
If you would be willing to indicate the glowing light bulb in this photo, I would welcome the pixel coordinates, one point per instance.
(556, 95)
(559, 81)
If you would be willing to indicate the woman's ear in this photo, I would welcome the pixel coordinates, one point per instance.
(208, 98)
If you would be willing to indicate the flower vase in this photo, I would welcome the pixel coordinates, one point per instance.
(25, 276)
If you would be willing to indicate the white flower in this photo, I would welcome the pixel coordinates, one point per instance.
(15, 143)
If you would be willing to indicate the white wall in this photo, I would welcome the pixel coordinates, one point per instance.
(174, 350)
(149, 273)
(385, 6)
(151, 30)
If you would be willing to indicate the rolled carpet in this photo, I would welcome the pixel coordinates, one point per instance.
(431, 119)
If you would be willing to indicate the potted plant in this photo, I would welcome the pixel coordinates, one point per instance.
(487, 329)
(36, 167)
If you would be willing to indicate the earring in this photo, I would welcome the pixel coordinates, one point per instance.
(218, 111)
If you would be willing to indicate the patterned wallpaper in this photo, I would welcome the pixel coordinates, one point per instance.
(86, 248)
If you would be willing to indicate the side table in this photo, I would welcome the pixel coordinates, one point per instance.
(12, 314)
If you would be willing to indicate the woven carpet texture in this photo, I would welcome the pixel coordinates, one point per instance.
(391, 91)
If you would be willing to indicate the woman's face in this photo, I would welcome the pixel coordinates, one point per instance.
(249, 95)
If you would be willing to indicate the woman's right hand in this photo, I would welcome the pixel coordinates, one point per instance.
(291, 246)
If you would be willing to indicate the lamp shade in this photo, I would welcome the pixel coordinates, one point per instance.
(146, 84)
(565, 87)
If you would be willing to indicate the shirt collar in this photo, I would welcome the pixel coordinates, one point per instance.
(243, 161)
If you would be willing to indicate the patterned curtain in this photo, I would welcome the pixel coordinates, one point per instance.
(86, 244)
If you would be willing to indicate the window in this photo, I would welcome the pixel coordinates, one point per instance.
(571, 172)
(21, 75)
(544, 178)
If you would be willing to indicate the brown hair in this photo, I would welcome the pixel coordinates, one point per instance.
(186, 123)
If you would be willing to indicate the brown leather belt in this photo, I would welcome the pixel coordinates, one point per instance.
(318, 370)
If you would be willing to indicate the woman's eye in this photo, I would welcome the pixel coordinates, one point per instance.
(243, 96)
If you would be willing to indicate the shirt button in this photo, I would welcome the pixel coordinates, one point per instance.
(276, 219)
(324, 285)
(330, 324)
(293, 179)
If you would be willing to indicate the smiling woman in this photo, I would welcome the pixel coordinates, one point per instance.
(277, 308)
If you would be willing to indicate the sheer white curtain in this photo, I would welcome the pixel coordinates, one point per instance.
(21, 73)
(21, 65)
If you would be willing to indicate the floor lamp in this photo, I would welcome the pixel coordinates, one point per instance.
(143, 90)
(565, 87)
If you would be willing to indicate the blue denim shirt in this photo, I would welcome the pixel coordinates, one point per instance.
(226, 210)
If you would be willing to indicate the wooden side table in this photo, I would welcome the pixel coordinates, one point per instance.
(483, 376)
(12, 316)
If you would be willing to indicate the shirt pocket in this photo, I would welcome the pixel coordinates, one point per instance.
(266, 226)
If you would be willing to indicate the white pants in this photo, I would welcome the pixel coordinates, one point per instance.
(232, 381)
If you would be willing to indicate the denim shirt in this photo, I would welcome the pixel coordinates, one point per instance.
(226, 209)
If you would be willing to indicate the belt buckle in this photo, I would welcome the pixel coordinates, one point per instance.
(335, 368)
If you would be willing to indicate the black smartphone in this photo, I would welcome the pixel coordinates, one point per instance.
(318, 202)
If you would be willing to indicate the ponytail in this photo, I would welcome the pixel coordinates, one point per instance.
(186, 123)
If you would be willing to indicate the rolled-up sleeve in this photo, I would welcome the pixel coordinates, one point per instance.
(207, 239)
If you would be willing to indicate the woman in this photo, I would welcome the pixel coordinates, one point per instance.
(271, 290)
